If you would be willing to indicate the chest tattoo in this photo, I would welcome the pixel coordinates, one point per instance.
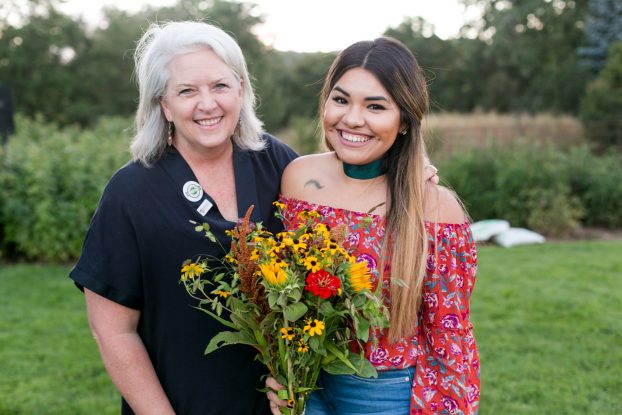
(314, 183)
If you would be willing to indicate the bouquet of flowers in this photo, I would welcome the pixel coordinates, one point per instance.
(298, 297)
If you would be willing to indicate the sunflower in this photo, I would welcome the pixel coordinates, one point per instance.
(273, 273)
(359, 276)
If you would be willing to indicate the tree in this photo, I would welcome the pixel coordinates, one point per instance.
(449, 65)
(603, 27)
(601, 108)
(530, 62)
(35, 61)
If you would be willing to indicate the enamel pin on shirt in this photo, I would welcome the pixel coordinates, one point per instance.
(193, 191)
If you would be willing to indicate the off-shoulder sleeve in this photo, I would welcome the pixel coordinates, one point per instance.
(447, 370)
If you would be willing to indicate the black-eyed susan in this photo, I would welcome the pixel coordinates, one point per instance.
(299, 245)
(288, 333)
(359, 276)
(273, 273)
(312, 263)
(254, 255)
(307, 214)
(222, 293)
(279, 205)
(331, 247)
(191, 270)
(302, 346)
(314, 327)
(291, 403)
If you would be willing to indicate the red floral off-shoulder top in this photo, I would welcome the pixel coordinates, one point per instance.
(443, 350)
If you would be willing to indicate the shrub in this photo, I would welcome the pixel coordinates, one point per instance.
(597, 182)
(51, 181)
(537, 186)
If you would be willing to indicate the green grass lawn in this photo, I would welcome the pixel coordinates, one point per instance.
(548, 321)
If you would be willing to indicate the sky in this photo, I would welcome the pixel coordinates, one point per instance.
(318, 25)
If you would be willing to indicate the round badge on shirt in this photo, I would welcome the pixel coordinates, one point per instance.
(193, 191)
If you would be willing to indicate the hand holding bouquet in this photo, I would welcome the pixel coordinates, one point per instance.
(298, 297)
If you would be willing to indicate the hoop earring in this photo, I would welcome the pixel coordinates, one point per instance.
(169, 140)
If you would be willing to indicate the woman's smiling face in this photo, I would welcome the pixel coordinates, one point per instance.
(361, 120)
(203, 100)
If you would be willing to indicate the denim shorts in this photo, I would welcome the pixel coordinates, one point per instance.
(389, 393)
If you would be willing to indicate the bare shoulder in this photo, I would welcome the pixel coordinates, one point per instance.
(442, 205)
(304, 171)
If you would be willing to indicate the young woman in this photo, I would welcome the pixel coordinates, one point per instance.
(413, 234)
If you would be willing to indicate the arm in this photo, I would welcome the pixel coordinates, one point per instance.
(447, 374)
(124, 355)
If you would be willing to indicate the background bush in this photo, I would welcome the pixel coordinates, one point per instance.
(538, 186)
(51, 181)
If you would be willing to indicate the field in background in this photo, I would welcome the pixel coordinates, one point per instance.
(449, 133)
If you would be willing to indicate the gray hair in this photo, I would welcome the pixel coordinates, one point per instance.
(155, 49)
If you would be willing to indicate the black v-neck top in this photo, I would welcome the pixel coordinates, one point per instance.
(133, 252)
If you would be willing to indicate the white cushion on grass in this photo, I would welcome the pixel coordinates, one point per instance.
(483, 230)
(517, 236)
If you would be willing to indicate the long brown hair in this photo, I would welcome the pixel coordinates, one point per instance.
(405, 242)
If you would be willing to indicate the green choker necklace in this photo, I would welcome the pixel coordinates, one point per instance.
(366, 171)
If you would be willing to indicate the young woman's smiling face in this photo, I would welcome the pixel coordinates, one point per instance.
(203, 99)
(361, 120)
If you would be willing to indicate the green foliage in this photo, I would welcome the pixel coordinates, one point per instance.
(527, 60)
(601, 107)
(51, 181)
(596, 180)
(539, 187)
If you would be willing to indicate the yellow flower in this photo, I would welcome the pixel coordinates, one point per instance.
(285, 238)
(254, 255)
(330, 246)
(312, 263)
(314, 327)
(279, 205)
(290, 403)
(302, 346)
(308, 214)
(299, 245)
(191, 270)
(273, 273)
(221, 293)
(359, 276)
(230, 259)
(288, 333)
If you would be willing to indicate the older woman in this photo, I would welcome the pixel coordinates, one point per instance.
(199, 155)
